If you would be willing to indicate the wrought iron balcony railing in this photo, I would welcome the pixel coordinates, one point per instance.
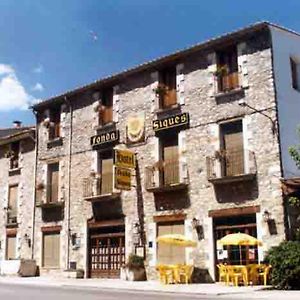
(231, 165)
(166, 175)
(99, 186)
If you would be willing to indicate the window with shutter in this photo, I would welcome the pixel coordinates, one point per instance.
(295, 72)
(106, 109)
(14, 159)
(227, 69)
(170, 254)
(106, 170)
(11, 247)
(233, 148)
(53, 182)
(12, 205)
(54, 129)
(51, 249)
(167, 83)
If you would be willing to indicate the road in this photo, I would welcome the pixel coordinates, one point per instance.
(26, 292)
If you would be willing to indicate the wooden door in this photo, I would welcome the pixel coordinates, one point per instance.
(170, 254)
(12, 205)
(51, 250)
(11, 247)
(106, 254)
(168, 79)
(233, 160)
(53, 182)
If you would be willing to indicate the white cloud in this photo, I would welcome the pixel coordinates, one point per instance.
(12, 93)
(38, 87)
(38, 69)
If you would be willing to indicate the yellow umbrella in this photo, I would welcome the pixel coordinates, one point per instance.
(239, 239)
(176, 239)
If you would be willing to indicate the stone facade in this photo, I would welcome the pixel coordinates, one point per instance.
(22, 177)
(196, 95)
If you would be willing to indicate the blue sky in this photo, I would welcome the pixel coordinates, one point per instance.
(48, 47)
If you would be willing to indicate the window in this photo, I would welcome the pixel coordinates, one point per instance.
(54, 129)
(167, 87)
(169, 154)
(170, 254)
(12, 205)
(106, 109)
(11, 247)
(51, 249)
(227, 69)
(53, 182)
(232, 148)
(14, 158)
(105, 168)
(295, 71)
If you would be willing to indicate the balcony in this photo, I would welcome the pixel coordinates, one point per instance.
(99, 187)
(231, 166)
(166, 176)
(228, 82)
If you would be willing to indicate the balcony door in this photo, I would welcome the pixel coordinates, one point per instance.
(233, 148)
(170, 158)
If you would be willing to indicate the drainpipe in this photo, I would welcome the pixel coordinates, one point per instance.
(69, 181)
(34, 185)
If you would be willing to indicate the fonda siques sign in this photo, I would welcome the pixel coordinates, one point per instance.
(105, 138)
(180, 120)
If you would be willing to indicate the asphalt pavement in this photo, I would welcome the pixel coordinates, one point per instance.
(26, 292)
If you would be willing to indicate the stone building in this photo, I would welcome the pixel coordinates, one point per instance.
(17, 167)
(209, 127)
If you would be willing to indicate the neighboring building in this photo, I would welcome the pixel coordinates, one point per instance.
(17, 167)
(210, 127)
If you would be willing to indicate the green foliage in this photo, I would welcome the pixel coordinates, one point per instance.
(295, 151)
(294, 201)
(285, 262)
(135, 262)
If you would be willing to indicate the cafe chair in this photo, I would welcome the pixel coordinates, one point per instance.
(183, 273)
(238, 274)
(223, 273)
(264, 273)
(166, 275)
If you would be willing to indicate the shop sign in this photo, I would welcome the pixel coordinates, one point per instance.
(124, 159)
(104, 138)
(122, 178)
(171, 122)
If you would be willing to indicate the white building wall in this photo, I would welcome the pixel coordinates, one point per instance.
(285, 45)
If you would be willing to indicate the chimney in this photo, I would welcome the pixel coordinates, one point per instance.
(17, 124)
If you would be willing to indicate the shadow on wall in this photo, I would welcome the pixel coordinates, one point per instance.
(172, 200)
(237, 192)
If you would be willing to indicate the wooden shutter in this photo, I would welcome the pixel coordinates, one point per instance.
(106, 109)
(51, 250)
(170, 254)
(171, 161)
(233, 146)
(11, 248)
(53, 182)
(106, 176)
(12, 201)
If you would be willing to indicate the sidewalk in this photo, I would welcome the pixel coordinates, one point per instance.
(154, 286)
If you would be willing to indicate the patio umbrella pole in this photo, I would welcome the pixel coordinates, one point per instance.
(240, 254)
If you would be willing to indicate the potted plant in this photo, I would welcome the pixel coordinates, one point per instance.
(221, 71)
(160, 90)
(134, 269)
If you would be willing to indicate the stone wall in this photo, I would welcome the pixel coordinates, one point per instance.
(24, 178)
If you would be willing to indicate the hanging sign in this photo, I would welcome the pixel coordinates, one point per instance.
(122, 178)
(135, 126)
(171, 122)
(124, 159)
(104, 138)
